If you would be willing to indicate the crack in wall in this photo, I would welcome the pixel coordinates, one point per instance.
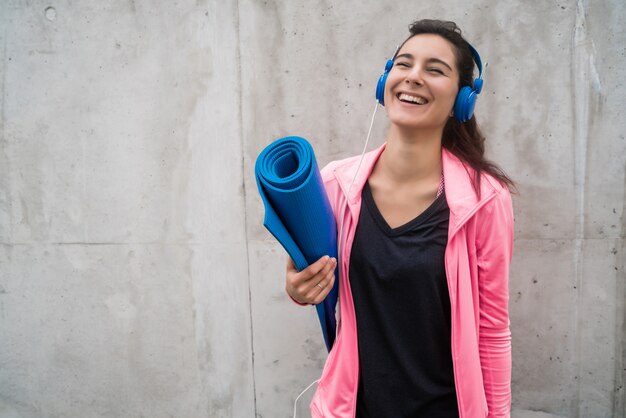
(581, 126)
(244, 195)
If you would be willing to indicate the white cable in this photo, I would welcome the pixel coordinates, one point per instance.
(367, 139)
(295, 404)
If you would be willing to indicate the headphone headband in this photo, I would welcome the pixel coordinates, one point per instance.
(478, 83)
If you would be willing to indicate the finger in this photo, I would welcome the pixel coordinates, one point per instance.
(319, 298)
(327, 285)
(314, 268)
(309, 287)
(307, 278)
(329, 280)
(323, 288)
(330, 266)
(328, 277)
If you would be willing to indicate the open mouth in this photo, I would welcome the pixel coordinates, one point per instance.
(411, 99)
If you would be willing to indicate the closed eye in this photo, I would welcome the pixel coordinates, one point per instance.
(402, 64)
(435, 70)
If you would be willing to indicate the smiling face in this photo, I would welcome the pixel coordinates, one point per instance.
(422, 85)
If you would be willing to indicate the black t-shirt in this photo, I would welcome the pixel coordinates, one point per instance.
(402, 306)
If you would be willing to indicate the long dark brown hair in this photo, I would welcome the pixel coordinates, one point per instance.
(462, 139)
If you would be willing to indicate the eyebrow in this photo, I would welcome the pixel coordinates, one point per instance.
(436, 60)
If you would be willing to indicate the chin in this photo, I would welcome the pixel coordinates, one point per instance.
(408, 123)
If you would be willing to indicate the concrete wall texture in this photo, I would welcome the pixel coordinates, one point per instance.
(136, 279)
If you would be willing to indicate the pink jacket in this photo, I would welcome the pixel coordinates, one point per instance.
(480, 243)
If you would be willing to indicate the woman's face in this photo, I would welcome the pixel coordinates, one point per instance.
(422, 85)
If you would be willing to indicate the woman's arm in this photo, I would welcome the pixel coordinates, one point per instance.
(494, 246)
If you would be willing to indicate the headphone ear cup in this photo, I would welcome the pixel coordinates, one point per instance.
(464, 104)
(380, 89)
(382, 80)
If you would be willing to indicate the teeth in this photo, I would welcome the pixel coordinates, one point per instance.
(413, 99)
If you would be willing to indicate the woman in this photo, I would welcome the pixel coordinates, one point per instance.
(425, 246)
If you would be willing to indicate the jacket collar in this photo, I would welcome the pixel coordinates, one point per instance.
(460, 195)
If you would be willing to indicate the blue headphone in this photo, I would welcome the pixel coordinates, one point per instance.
(465, 98)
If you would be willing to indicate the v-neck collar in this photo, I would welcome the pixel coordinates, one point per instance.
(382, 223)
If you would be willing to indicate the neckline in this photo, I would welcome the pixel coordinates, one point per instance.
(399, 230)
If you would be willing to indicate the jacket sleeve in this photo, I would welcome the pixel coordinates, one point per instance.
(494, 246)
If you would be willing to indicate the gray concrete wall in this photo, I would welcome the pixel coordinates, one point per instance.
(136, 278)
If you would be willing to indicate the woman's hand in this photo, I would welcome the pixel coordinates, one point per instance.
(311, 285)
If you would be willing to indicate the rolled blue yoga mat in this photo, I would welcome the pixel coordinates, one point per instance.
(298, 212)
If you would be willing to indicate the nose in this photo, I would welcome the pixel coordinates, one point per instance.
(414, 76)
